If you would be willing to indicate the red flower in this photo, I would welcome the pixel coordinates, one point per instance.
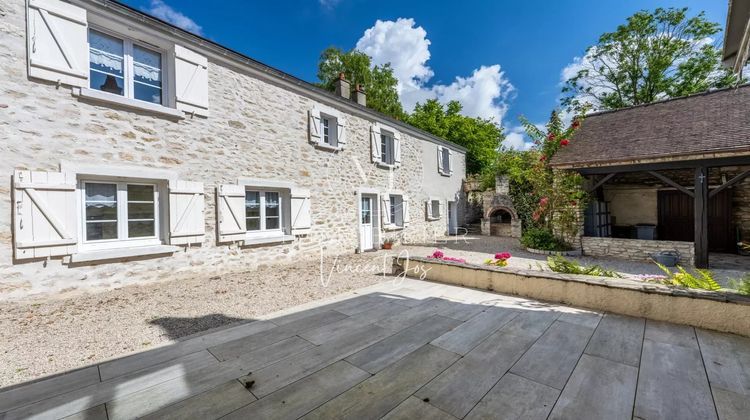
(573, 203)
(551, 136)
(543, 158)
(502, 256)
(543, 201)
(576, 124)
(564, 142)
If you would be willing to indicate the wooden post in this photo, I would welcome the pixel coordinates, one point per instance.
(701, 217)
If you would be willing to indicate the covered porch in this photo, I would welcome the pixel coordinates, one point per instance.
(698, 208)
(667, 176)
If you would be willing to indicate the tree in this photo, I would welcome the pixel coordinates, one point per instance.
(378, 81)
(653, 56)
(482, 138)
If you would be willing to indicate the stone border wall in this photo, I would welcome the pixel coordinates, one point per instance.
(719, 311)
(636, 249)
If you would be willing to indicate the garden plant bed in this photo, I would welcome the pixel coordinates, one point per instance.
(721, 311)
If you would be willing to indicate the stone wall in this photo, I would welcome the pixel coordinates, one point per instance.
(635, 249)
(256, 130)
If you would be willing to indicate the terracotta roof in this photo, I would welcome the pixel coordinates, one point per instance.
(708, 123)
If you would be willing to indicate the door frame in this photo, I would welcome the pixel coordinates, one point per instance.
(374, 216)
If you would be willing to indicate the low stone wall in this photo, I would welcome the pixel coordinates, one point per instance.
(635, 249)
(719, 311)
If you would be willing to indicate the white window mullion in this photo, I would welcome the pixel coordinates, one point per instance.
(262, 211)
(122, 211)
(129, 71)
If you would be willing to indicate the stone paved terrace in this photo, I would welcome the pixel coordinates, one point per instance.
(414, 349)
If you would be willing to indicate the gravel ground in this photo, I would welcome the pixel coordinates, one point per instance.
(46, 336)
(42, 337)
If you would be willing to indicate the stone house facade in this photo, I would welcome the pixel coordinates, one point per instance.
(135, 151)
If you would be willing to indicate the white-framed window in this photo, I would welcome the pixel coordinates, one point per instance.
(397, 210)
(446, 157)
(329, 130)
(123, 67)
(263, 211)
(386, 147)
(119, 213)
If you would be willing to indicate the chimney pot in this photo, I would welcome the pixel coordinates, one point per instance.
(360, 95)
(342, 87)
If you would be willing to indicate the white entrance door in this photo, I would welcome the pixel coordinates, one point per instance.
(452, 218)
(365, 224)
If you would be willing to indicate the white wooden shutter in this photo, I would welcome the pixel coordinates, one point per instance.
(301, 218)
(314, 122)
(231, 213)
(375, 143)
(45, 214)
(450, 162)
(342, 132)
(186, 213)
(191, 81)
(428, 209)
(405, 209)
(397, 148)
(58, 48)
(440, 159)
(385, 210)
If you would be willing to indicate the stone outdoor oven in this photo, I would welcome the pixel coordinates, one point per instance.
(499, 217)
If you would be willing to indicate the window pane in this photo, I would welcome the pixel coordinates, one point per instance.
(106, 61)
(252, 210)
(139, 211)
(101, 202)
(101, 230)
(435, 208)
(147, 75)
(101, 193)
(272, 223)
(272, 204)
(446, 160)
(140, 229)
(324, 124)
(384, 148)
(101, 211)
(141, 193)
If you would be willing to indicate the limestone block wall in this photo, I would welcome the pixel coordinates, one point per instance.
(256, 130)
(635, 249)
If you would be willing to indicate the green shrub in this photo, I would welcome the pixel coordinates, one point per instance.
(542, 239)
(741, 285)
(560, 264)
(704, 280)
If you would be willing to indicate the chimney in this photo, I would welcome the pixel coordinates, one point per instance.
(342, 87)
(360, 95)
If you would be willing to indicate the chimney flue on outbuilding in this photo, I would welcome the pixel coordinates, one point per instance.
(342, 87)
(360, 96)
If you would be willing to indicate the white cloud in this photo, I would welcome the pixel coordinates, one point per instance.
(515, 138)
(165, 12)
(403, 44)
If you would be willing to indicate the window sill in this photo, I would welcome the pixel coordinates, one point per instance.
(447, 174)
(249, 241)
(392, 227)
(111, 254)
(327, 148)
(386, 165)
(104, 97)
(433, 219)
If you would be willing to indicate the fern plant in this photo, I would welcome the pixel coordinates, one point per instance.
(704, 280)
(741, 285)
(560, 264)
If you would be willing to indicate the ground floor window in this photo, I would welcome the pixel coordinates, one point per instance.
(263, 211)
(119, 211)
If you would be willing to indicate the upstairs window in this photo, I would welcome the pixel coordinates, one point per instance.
(386, 148)
(122, 67)
(446, 159)
(263, 211)
(329, 130)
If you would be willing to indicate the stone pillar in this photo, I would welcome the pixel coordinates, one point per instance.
(502, 185)
(486, 226)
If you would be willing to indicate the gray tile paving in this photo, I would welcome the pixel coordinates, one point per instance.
(416, 349)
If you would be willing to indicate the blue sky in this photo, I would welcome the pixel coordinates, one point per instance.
(501, 59)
